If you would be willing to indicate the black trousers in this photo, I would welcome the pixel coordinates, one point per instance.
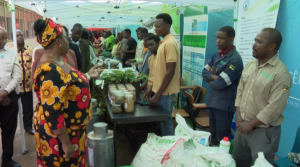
(9, 120)
(27, 105)
(219, 124)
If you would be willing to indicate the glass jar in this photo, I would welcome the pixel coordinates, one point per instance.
(119, 98)
(116, 108)
(110, 90)
(132, 90)
(129, 103)
(111, 85)
(124, 91)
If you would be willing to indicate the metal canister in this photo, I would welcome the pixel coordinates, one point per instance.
(95, 116)
(100, 143)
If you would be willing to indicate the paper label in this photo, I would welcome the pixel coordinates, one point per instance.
(125, 105)
(91, 157)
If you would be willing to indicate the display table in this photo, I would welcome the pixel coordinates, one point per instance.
(140, 114)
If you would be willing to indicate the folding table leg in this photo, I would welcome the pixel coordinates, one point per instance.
(115, 144)
(165, 134)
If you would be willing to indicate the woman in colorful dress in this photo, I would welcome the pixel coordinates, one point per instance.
(64, 107)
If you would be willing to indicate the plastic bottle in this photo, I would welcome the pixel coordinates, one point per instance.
(120, 65)
(225, 145)
(108, 64)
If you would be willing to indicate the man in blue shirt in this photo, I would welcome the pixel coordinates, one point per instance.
(223, 73)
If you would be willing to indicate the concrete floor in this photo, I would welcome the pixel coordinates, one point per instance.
(125, 155)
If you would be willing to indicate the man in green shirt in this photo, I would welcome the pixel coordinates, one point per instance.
(110, 41)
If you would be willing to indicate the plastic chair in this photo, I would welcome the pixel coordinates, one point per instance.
(283, 162)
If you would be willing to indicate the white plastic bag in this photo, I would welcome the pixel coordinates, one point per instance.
(261, 161)
(213, 158)
(186, 158)
(182, 129)
(157, 149)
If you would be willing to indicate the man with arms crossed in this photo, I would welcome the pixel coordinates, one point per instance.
(261, 98)
(223, 73)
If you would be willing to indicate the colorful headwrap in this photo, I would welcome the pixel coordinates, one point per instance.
(50, 33)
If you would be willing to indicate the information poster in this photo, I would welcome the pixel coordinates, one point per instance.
(194, 47)
(254, 15)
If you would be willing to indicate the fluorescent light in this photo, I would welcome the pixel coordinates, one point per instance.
(155, 2)
(99, 1)
(75, 1)
(137, 2)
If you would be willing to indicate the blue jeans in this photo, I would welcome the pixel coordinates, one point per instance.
(166, 102)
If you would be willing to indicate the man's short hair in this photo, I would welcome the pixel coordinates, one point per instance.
(138, 29)
(155, 38)
(228, 30)
(78, 25)
(143, 30)
(166, 18)
(148, 35)
(274, 36)
(127, 31)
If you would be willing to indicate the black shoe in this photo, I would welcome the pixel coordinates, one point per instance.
(10, 163)
(30, 131)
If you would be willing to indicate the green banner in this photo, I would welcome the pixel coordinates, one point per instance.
(165, 8)
(198, 41)
(175, 14)
(194, 10)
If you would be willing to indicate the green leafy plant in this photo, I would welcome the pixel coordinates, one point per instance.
(99, 95)
(118, 76)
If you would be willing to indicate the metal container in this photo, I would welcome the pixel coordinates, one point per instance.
(100, 143)
(95, 116)
(94, 107)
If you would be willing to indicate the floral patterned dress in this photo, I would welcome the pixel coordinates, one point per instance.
(64, 101)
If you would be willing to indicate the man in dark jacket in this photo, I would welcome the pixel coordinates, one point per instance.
(83, 47)
(75, 48)
(223, 73)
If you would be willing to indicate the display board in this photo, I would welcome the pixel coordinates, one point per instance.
(253, 16)
(194, 44)
(288, 24)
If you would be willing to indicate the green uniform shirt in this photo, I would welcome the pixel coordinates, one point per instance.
(110, 40)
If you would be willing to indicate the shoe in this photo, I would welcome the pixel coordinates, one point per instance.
(30, 131)
(10, 163)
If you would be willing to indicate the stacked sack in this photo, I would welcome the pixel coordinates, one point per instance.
(188, 148)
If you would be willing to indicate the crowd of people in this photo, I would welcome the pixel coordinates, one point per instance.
(60, 70)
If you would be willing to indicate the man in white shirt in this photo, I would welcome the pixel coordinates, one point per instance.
(10, 77)
(140, 46)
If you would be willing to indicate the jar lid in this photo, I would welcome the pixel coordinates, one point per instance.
(116, 105)
(129, 96)
(116, 91)
(119, 94)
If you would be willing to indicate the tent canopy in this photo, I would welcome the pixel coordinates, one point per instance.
(109, 13)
